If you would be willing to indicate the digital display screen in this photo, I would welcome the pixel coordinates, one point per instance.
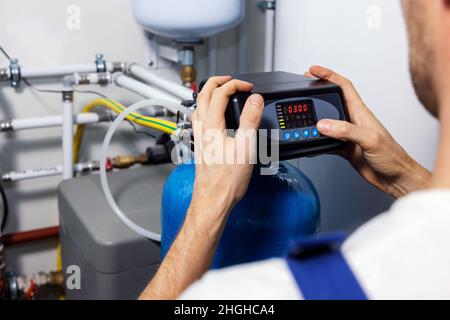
(298, 114)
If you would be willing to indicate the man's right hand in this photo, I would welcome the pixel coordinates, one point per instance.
(373, 152)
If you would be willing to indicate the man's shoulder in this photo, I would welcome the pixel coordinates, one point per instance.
(402, 254)
(265, 280)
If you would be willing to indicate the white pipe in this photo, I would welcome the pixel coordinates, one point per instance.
(55, 71)
(167, 85)
(143, 89)
(243, 31)
(32, 174)
(51, 171)
(269, 40)
(212, 48)
(67, 139)
(173, 104)
(52, 121)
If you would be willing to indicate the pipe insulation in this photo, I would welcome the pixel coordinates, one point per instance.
(67, 139)
(143, 89)
(62, 70)
(150, 77)
(269, 45)
(213, 44)
(50, 171)
(48, 122)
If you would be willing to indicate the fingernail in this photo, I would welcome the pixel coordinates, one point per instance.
(324, 126)
(257, 100)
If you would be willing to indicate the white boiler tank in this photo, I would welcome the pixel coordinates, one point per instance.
(188, 20)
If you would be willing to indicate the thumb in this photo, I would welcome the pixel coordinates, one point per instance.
(345, 131)
(252, 114)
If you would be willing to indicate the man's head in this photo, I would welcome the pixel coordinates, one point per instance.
(428, 23)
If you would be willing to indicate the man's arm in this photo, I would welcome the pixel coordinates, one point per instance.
(217, 188)
(373, 152)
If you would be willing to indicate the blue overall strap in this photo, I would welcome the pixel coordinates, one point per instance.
(321, 271)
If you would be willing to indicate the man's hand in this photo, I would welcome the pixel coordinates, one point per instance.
(224, 164)
(223, 171)
(373, 153)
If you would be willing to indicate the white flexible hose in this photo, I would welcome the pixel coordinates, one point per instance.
(104, 181)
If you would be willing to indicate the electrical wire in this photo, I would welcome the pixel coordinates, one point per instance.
(136, 130)
(61, 91)
(103, 178)
(5, 53)
(5, 207)
(145, 121)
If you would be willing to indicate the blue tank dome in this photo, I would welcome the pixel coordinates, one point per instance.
(276, 210)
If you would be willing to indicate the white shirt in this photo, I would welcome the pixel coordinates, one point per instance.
(401, 254)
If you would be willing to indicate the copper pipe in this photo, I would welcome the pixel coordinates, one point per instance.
(30, 236)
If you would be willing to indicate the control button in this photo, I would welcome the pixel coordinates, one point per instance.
(296, 135)
(315, 132)
(287, 136)
(306, 134)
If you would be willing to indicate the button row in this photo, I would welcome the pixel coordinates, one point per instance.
(306, 133)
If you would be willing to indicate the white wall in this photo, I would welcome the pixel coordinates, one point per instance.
(36, 32)
(344, 35)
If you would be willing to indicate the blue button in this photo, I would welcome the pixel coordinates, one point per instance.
(306, 133)
(287, 136)
(315, 133)
(296, 135)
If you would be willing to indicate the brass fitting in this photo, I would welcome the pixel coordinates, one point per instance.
(188, 75)
(123, 162)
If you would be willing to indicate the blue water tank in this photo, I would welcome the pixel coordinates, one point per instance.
(276, 210)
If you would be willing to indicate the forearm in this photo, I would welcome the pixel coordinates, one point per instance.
(191, 253)
(414, 177)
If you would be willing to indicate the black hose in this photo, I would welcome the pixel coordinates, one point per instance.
(5, 207)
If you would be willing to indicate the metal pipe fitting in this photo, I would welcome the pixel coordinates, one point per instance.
(267, 5)
(15, 73)
(6, 126)
(67, 96)
(100, 63)
(4, 74)
(186, 57)
(119, 66)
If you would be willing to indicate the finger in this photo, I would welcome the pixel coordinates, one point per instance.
(350, 92)
(220, 99)
(308, 74)
(345, 131)
(204, 97)
(252, 113)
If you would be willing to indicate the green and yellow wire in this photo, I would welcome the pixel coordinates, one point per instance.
(149, 122)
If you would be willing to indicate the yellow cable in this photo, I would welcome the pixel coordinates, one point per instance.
(149, 122)
(59, 258)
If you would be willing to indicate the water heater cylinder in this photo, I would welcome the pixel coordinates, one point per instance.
(188, 21)
(276, 210)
